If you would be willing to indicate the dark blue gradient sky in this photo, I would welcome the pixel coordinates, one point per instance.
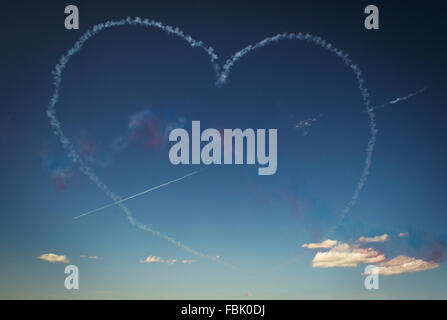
(253, 222)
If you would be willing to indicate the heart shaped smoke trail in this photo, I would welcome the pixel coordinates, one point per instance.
(222, 78)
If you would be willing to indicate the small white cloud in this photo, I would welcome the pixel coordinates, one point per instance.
(188, 261)
(326, 244)
(382, 238)
(152, 259)
(54, 258)
(402, 234)
(403, 264)
(344, 255)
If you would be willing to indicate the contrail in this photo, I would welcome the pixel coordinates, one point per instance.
(136, 195)
(397, 100)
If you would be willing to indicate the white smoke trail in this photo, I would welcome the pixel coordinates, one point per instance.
(305, 124)
(68, 145)
(222, 76)
(222, 79)
(135, 195)
(397, 100)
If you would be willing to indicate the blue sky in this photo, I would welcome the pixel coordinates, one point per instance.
(128, 87)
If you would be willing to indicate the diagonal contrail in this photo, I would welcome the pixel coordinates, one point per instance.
(397, 100)
(136, 195)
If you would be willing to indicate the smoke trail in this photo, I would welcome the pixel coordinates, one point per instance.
(397, 100)
(136, 195)
(222, 79)
(222, 76)
(305, 124)
(68, 145)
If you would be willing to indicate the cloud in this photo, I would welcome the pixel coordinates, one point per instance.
(188, 261)
(403, 264)
(382, 238)
(350, 255)
(326, 244)
(152, 259)
(54, 258)
(84, 256)
(344, 255)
